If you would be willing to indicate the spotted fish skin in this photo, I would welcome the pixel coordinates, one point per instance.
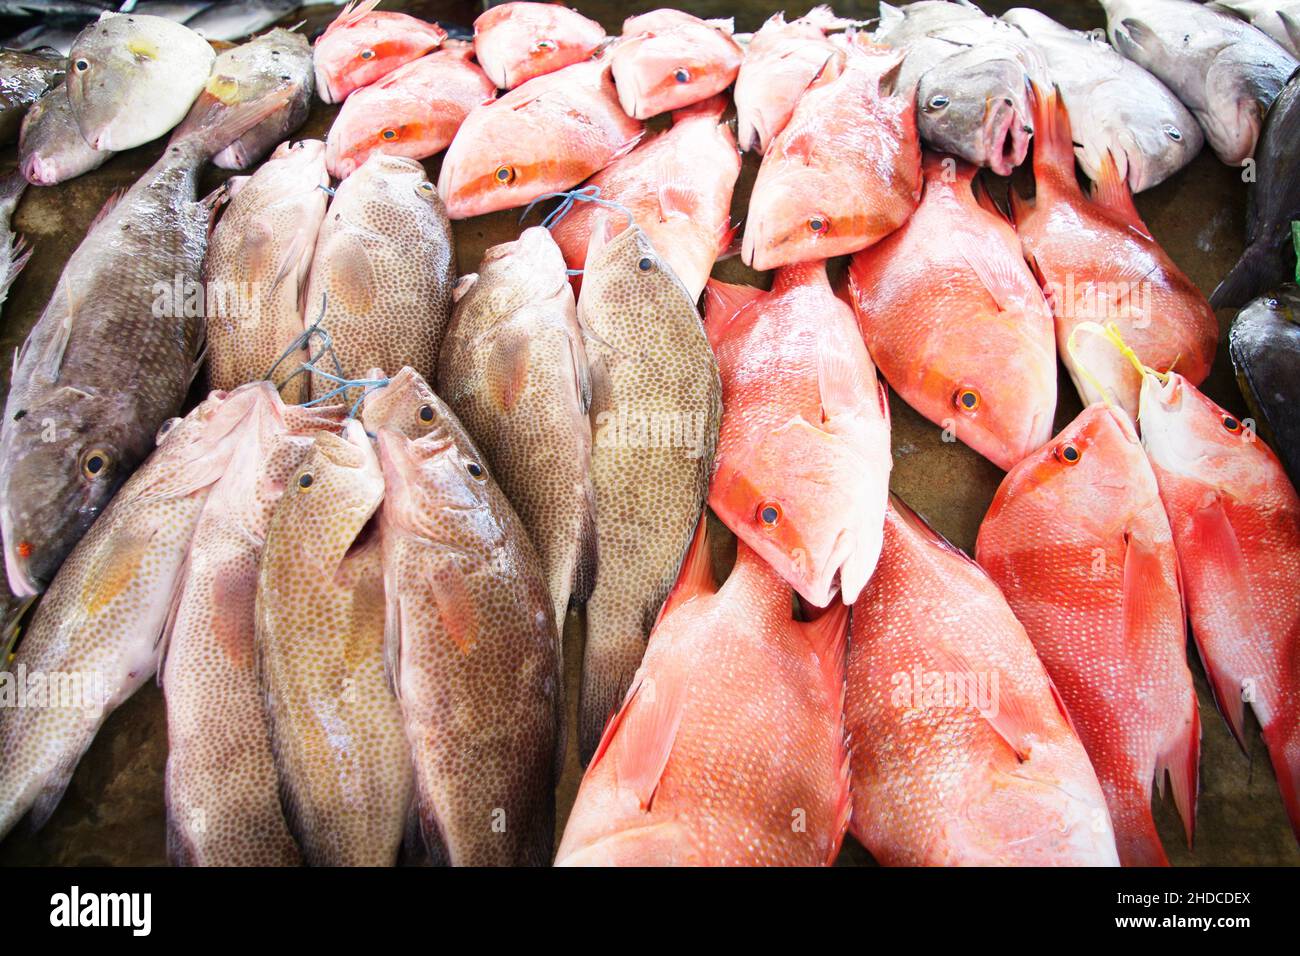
(650, 361)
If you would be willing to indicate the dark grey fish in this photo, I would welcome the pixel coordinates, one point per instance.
(1272, 203)
(51, 148)
(1265, 348)
(240, 18)
(24, 78)
(55, 8)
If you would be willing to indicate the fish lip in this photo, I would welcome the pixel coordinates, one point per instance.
(38, 172)
(1004, 123)
(323, 88)
(17, 569)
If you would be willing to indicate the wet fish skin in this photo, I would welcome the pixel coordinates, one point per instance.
(1236, 525)
(514, 370)
(363, 44)
(956, 321)
(51, 149)
(728, 681)
(223, 805)
(1272, 204)
(668, 59)
(1265, 347)
(14, 251)
(648, 355)
(997, 777)
(24, 78)
(414, 111)
(1225, 71)
(105, 611)
(259, 255)
(1279, 19)
(1114, 105)
(132, 78)
(515, 42)
(472, 650)
(1078, 541)
(239, 19)
(384, 267)
(336, 734)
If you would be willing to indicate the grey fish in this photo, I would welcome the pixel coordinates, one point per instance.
(1224, 70)
(1272, 203)
(14, 252)
(110, 359)
(24, 78)
(58, 37)
(276, 60)
(181, 12)
(1265, 348)
(239, 18)
(54, 8)
(1280, 19)
(51, 148)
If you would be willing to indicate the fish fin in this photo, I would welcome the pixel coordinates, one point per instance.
(19, 253)
(392, 633)
(627, 147)
(1292, 26)
(695, 577)
(828, 636)
(711, 108)
(984, 199)
(726, 24)
(728, 241)
(677, 200)
(1001, 277)
(1260, 267)
(1181, 759)
(584, 574)
(55, 786)
(213, 137)
(1009, 719)
(163, 642)
(506, 373)
(292, 262)
(841, 383)
(1020, 206)
(723, 301)
(649, 719)
(1111, 192)
(455, 604)
(113, 199)
(1053, 145)
(353, 13)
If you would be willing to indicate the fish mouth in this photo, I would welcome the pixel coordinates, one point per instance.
(1006, 138)
(39, 172)
(323, 88)
(17, 568)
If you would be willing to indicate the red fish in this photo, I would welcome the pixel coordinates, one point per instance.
(729, 747)
(961, 749)
(802, 473)
(956, 321)
(363, 44)
(846, 170)
(1078, 541)
(667, 59)
(515, 42)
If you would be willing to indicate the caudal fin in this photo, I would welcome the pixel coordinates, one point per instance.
(216, 127)
(1261, 267)
(1053, 142)
(1284, 749)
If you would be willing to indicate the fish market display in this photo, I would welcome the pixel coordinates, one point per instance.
(14, 252)
(278, 60)
(667, 59)
(471, 644)
(24, 78)
(1098, 262)
(131, 79)
(413, 111)
(383, 270)
(655, 408)
(51, 148)
(728, 680)
(802, 475)
(962, 752)
(335, 728)
(236, 19)
(844, 173)
(1236, 523)
(1225, 71)
(957, 323)
(255, 271)
(223, 803)
(1272, 205)
(514, 370)
(1078, 541)
(1280, 19)
(514, 42)
(544, 136)
(677, 186)
(1115, 106)
(363, 45)
(1265, 348)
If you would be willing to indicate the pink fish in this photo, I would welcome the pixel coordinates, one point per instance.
(515, 42)
(363, 45)
(667, 59)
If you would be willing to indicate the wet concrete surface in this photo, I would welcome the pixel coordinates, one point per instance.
(113, 812)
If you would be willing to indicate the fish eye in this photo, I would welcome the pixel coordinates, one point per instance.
(82, 65)
(389, 134)
(305, 480)
(426, 187)
(1231, 424)
(474, 468)
(769, 514)
(426, 413)
(1068, 454)
(937, 102)
(1173, 133)
(682, 75)
(165, 429)
(645, 263)
(544, 46)
(95, 463)
(505, 175)
(819, 225)
(966, 399)
(367, 54)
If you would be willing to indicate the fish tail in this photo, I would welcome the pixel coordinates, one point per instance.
(217, 128)
(1136, 837)
(609, 663)
(1262, 266)
(1283, 741)
(1182, 761)
(1053, 142)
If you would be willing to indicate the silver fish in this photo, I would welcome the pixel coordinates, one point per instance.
(1280, 19)
(239, 18)
(24, 78)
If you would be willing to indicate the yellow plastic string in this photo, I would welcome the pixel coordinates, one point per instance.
(1109, 332)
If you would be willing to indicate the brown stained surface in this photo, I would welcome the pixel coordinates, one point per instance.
(113, 811)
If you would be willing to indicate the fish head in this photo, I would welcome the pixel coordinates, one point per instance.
(975, 104)
(533, 262)
(797, 213)
(514, 42)
(378, 119)
(626, 263)
(405, 405)
(656, 73)
(357, 51)
(1234, 115)
(387, 182)
(1151, 148)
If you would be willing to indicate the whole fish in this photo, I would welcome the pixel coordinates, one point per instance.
(514, 370)
(100, 622)
(223, 804)
(1272, 204)
(668, 59)
(844, 173)
(238, 19)
(14, 251)
(472, 650)
(962, 752)
(656, 404)
(971, 74)
(131, 78)
(728, 749)
(363, 44)
(956, 321)
(1265, 347)
(383, 271)
(1115, 105)
(1097, 262)
(24, 79)
(781, 62)
(677, 186)
(414, 111)
(278, 60)
(110, 358)
(51, 148)
(255, 270)
(545, 136)
(336, 735)
(802, 475)
(1236, 523)
(1225, 71)
(515, 42)
(1280, 19)
(1078, 541)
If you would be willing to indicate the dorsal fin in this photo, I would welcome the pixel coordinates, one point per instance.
(696, 575)
(723, 301)
(1111, 192)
